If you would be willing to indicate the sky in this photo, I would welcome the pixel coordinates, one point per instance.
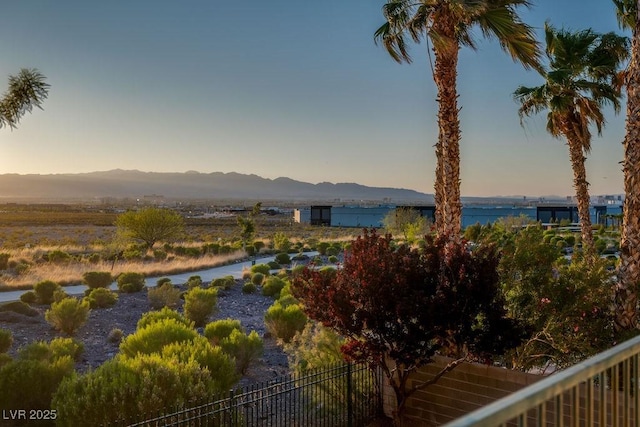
(279, 88)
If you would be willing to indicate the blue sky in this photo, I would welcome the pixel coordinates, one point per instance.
(278, 88)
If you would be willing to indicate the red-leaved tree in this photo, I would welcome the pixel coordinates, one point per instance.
(398, 306)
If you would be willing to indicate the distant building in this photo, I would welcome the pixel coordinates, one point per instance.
(373, 216)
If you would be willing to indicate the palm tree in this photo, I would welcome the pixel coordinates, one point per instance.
(26, 90)
(447, 25)
(629, 268)
(583, 70)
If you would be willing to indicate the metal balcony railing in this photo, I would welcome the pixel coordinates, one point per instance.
(600, 391)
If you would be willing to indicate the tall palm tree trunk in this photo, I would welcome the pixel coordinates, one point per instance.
(582, 194)
(626, 299)
(447, 184)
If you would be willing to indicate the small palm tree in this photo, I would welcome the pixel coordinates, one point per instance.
(26, 90)
(447, 25)
(629, 268)
(583, 69)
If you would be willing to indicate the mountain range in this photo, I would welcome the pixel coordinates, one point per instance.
(126, 184)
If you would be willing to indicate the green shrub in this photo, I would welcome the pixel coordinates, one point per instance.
(297, 270)
(333, 259)
(166, 313)
(322, 247)
(130, 282)
(219, 329)
(20, 308)
(194, 281)
(102, 298)
(162, 281)
(272, 286)
(131, 389)
(59, 295)
(273, 265)
(159, 254)
(94, 258)
(97, 279)
(165, 295)
(283, 259)
(68, 315)
(5, 359)
(29, 297)
(199, 304)
(4, 260)
(258, 244)
(316, 347)
(30, 384)
(44, 291)
(153, 337)
(226, 282)
(332, 251)
(248, 288)
(6, 340)
(260, 268)
(61, 347)
(58, 257)
(281, 242)
(115, 336)
(257, 278)
(284, 322)
(219, 363)
(244, 348)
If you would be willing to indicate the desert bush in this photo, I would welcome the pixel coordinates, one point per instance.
(244, 348)
(248, 288)
(94, 258)
(162, 281)
(30, 384)
(5, 359)
(257, 278)
(219, 329)
(199, 304)
(61, 347)
(29, 297)
(4, 260)
(6, 340)
(97, 279)
(316, 347)
(260, 268)
(226, 282)
(153, 337)
(68, 315)
(159, 254)
(283, 259)
(333, 259)
(284, 322)
(115, 336)
(297, 270)
(44, 291)
(19, 307)
(272, 286)
(58, 257)
(194, 281)
(131, 388)
(332, 251)
(220, 364)
(102, 298)
(165, 295)
(165, 313)
(130, 282)
(281, 242)
(322, 247)
(21, 268)
(273, 265)
(258, 244)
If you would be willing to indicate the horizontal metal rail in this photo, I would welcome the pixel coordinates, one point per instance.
(600, 391)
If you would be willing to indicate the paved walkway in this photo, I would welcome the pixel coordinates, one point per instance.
(234, 270)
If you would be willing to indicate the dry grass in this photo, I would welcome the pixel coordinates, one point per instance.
(72, 273)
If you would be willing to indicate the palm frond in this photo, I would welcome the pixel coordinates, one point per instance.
(626, 12)
(26, 90)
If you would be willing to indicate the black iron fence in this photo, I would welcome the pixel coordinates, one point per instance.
(343, 395)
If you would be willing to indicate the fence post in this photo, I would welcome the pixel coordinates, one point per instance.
(349, 396)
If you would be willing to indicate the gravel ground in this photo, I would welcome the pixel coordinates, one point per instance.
(248, 308)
